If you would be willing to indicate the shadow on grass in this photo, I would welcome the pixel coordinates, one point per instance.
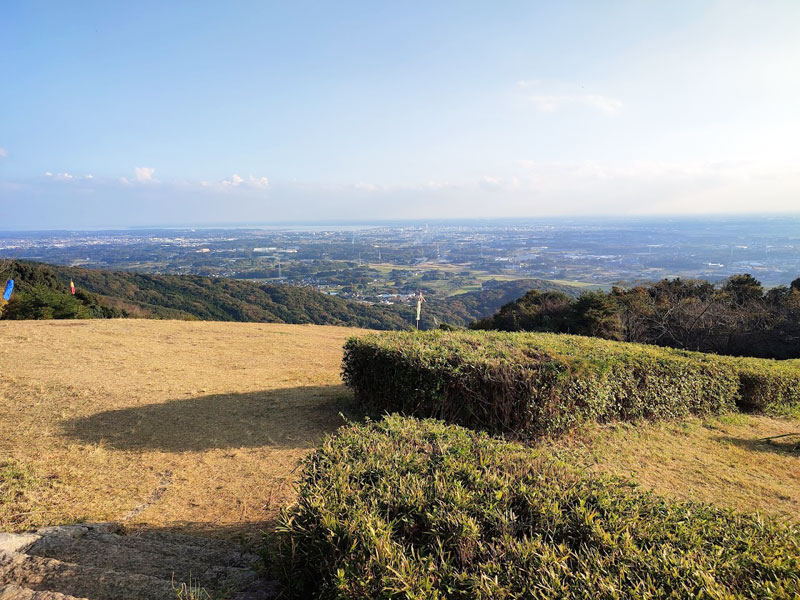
(285, 418)
(789, 445)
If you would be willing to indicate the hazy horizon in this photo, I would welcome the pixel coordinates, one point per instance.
(346, 224)
(134, 115)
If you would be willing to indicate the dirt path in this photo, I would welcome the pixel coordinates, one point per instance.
(105, 562)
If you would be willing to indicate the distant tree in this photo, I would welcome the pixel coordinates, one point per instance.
(682, 310)
(744, 288)
(736, 318)
(539, 311)
(777, 296)
(40, 302)
(597, 314)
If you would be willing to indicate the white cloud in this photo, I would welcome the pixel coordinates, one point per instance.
(258, 182)
(237, 181)
(3, 153)
(525, 188)
(59, 176)
(70, 177)
(234, 181)
(144, 174)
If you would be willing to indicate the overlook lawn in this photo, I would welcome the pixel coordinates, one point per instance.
(201, 426)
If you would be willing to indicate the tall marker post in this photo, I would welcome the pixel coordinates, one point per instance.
(420, 300)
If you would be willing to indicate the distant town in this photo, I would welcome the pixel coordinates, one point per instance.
(390, 263)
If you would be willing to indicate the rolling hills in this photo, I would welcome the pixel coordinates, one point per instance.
(43, 292)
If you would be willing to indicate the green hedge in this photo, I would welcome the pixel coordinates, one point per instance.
(531, 384)
(768, 386)
(419, 509)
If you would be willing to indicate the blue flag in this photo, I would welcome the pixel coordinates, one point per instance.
(9, 289)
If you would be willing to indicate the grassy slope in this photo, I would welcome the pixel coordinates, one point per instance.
(100, 415)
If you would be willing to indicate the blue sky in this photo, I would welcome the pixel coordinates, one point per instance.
(158, 113)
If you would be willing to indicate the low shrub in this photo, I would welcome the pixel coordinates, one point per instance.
(419, 509)
(530, 384)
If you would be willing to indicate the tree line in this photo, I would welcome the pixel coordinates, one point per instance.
(737, 317)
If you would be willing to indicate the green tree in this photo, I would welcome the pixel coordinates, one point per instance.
(598, 314)
(40, 302)
(744, 288)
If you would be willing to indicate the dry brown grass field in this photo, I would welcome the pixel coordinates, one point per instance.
(723, 460)
(201, 426)
(174, 424)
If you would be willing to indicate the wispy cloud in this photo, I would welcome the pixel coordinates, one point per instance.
(3, 153)
(552, 97)
(499, 184)
(603, 103)
(258, 182)
(547, 103)
(393, 188)
(238, 182)
(524, 188)
(662, 186)
(144, 177)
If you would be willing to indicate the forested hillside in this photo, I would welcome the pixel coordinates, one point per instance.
(463, 309)
(738, 317)
(43, 292)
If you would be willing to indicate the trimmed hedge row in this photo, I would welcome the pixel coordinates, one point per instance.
(419, 509)
(766, 386)
(530, 384)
